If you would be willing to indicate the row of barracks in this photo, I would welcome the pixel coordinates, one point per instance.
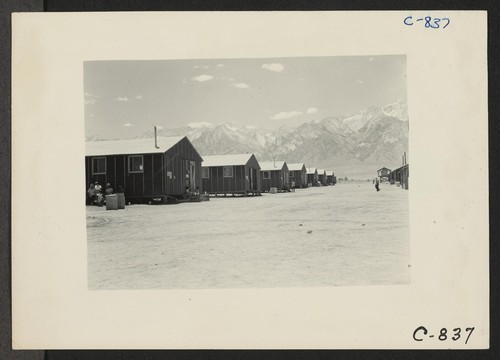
(168, 167)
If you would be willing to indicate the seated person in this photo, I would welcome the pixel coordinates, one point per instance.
(98, 192)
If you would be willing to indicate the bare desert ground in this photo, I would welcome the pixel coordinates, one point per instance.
(347, 234)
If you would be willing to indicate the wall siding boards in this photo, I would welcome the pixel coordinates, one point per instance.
(153, 181)
(239, 183)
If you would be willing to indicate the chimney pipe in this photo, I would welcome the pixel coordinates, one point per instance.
(156, 139)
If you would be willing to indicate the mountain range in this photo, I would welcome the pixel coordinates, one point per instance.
(353, 145)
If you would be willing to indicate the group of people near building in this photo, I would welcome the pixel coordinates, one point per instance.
(96, 195)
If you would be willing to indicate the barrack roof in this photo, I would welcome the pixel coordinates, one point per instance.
(311, 170)
(271, 165)
(225, 160)
(295, 167)
(321, 171)
(130, 146)
(329, 173)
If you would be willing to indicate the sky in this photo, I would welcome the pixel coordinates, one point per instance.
(124, 99)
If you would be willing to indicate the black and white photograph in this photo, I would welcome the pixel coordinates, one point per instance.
(241, 180)
(235, 173)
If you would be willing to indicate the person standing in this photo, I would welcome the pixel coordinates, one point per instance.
(377, 185)
(91, 194)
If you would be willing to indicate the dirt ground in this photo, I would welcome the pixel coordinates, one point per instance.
(347, 234)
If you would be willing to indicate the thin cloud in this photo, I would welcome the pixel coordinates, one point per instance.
(202, 78)
(371, 58)
(128, 125)
(221, 65)
(312, 110)
(138, 97)
(200, 124)
(90, 99)
(241, 85)
(286, 115)
(122, 98)
(276, 67)
(360, 81)
(201, 67)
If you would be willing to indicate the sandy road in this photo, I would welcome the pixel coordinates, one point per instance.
(346, 234)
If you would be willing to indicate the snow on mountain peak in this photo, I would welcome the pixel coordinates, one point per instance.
(230, 127)
(397, 109)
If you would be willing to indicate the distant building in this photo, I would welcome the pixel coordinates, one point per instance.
(330, 178)
(321, 176)
(274, 174)
(298, 174)
(383, 173)
(400, 175)
(312, 176)
(145, 168)
(231, 174)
